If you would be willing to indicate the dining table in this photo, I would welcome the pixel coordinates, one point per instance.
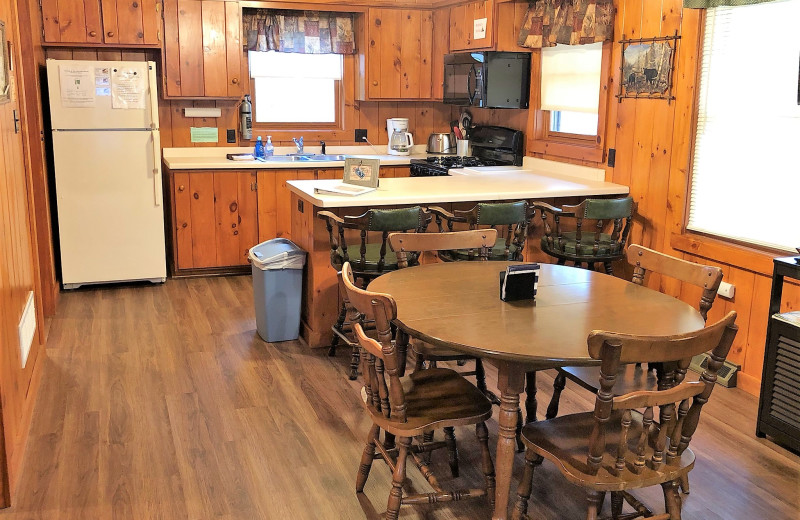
(457, 305)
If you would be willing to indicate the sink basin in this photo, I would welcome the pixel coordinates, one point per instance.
(304, 158)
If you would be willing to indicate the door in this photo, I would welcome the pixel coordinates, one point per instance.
(110, 212)
(17, 273)
(70, 108)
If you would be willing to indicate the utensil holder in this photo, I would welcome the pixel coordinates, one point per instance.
(462, 147)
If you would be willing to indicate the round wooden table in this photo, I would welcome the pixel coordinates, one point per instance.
(457, 305)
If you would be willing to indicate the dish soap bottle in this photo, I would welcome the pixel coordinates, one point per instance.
(259, 151)
(269, 149)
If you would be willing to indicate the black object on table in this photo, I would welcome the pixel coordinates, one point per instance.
(779, 403)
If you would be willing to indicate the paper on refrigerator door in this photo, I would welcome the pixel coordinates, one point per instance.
(77, 85)
(128, 88)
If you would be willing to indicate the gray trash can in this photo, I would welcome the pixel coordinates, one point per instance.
(277, 288)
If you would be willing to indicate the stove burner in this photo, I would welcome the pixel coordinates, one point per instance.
(438, 166)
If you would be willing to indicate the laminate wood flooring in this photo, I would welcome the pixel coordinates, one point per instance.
(161, 402)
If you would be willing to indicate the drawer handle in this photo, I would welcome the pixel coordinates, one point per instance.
(92, 33)
(110, 34)
(181, 187)
(375, 83)
(235, 81)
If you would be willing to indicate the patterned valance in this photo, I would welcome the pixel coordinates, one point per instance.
(568, 22)
(705, 4)
(305, 32)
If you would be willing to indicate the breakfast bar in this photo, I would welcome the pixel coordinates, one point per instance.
(535, 180)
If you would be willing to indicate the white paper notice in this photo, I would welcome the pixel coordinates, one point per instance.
(77, 86)
(480, 29)
(127, 88)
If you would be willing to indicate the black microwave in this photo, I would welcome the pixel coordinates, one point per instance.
(487, 79)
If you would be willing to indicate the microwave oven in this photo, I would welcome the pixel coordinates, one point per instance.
(487, 79)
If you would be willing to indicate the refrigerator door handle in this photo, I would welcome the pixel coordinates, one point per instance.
(153, 91)
(157, 184)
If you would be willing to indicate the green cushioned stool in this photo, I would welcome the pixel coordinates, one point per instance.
(601, 229)
(369, 255)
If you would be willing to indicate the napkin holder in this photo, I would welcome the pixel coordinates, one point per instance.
(519, 282)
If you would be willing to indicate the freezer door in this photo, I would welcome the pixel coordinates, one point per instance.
(85, 97)
(110, 215)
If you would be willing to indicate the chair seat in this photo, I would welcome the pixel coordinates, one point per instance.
(630, 378)
(498, 252)
(434, 353)
(372, 256)
(569, 245)
(563, 441)
(436, 398)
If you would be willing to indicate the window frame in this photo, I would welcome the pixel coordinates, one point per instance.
(339, 111)
(543, 141)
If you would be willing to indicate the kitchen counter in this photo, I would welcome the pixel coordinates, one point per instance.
(213, 158)
(467, 185)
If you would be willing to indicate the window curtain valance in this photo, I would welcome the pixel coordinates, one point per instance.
(707, 4)
(304, 32)
(568, 22)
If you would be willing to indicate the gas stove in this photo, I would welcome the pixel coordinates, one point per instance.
(492, 146)
(437, 166)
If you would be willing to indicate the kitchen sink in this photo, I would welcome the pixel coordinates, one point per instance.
(304, 158)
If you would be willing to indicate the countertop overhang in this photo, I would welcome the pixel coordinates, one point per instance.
(508, 184)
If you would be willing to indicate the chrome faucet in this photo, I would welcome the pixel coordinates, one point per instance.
(299, 144)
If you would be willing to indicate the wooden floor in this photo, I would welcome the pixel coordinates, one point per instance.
(162, 402)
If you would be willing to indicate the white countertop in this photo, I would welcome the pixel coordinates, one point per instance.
(508, 183)
(214, 158)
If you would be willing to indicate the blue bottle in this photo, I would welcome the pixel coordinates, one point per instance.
(269, 148)
(259, 151)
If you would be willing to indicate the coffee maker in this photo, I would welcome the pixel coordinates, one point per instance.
(400, 141)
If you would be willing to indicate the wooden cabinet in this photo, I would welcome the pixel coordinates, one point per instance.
(214, 218)
(397, 59)
(274, 198)
(203, 49)
(462, 25)
(98, 22)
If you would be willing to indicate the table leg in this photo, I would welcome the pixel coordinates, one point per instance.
(530, 397)
(511, 383)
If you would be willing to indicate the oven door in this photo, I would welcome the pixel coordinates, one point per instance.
(464, 78)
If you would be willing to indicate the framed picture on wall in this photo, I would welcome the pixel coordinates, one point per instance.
(5, 79)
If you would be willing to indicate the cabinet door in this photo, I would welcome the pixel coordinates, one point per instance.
(399, 64)
(248, 213)
(203, 51)
(441, 46)
(462, 25)
(66, 22)
(203, 223)
(182, 220)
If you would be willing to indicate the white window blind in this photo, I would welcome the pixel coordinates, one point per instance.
(295, 88)
(746, 168)
(571, 77)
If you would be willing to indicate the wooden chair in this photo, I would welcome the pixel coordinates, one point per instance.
(634, 377)
(591, 242)
(511, 218)
(409, 406)
(369, 261)
(617, 447)
(477, 243)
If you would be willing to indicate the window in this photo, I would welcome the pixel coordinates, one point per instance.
(295, 88)
(746, 169)
(571, 87)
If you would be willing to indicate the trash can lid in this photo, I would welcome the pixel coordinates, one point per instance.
(278, 253)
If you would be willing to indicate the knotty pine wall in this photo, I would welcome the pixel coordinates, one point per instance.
(653, 141)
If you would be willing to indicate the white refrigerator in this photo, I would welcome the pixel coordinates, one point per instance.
(107, 151)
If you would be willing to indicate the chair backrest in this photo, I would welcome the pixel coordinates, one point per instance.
(404, 244)
(704, 276)
(380, 359)
(510, 217)
(384, 221)
(600, 213)
(663, 441)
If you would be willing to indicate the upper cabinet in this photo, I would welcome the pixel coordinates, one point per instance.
(477, 26)
(397, 58)
(472, 26)
(102, 22)
(203, 49)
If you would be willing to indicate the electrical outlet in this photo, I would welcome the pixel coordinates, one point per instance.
(726, 290)
(231, 135)
(361, 135)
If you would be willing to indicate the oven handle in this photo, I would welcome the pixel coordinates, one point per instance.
(470, 90)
